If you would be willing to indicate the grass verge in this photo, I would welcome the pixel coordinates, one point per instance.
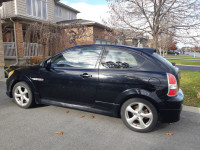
(181, 56)
(190, 84)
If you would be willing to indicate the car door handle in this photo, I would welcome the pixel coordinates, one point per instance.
(85, 75)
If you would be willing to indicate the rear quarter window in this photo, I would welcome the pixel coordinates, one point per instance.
(121, 59)
(165, 61)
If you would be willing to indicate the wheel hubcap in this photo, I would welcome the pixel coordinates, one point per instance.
(138, 115)
(21, 95)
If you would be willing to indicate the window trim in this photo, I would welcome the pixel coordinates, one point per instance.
(71, 49)
(121, 49)
(56, 9)
(32, 13)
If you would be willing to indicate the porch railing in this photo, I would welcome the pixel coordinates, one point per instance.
(30, 49)
(9, 49)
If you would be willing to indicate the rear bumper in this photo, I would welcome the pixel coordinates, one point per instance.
(173, 108)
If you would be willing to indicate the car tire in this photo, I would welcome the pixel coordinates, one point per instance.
(139, 115)
(22, 95)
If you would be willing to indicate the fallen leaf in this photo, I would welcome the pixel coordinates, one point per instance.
(82, 116)
(198, 94)
(67, 111)
(169, 133)
(92, 117)
(60, 133)
(182, 117)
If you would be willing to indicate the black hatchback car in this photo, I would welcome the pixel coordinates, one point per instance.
(135, 84)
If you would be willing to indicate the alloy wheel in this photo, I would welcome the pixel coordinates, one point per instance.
(21, 96)
(138, 115)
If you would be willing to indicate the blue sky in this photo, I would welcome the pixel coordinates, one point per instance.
(91, 2)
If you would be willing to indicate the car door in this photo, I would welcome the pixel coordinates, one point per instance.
(72, 76)
(119, 70)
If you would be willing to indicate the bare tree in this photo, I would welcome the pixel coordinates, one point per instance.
(165, 41)
(151, 16)
(56, 37)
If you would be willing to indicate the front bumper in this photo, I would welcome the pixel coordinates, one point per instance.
(9, 84)
(173, 107)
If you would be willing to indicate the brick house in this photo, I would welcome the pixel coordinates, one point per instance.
(100, 34)
(17, 14)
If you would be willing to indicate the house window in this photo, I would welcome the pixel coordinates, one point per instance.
(71, 15)
(58, 12)
(37, 8)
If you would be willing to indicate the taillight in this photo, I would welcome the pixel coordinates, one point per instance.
(172, 85)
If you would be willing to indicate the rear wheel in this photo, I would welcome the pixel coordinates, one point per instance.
(139, 115)
(22, 95)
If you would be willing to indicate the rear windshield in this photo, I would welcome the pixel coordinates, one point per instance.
(162, 59)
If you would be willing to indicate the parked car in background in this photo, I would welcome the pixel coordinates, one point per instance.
(198, 51)
(135, 84)
(173, 52)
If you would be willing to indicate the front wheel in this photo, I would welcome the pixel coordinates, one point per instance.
(139, 115)
(22, 95)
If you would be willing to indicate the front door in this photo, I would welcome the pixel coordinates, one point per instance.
(72, 77)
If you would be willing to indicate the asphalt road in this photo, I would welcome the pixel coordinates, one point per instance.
(183, 59)
(34, 129)
(189, 68)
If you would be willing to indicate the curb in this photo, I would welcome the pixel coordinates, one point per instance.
(3, 79)
(191, 109)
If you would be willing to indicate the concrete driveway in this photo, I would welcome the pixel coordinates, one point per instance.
(34, 129)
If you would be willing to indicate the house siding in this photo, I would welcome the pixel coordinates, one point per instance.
(21, 9)
(18, 7)
(64, 14)
(7, 9)
(50, 10)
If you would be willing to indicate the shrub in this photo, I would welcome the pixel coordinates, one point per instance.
(35, 60)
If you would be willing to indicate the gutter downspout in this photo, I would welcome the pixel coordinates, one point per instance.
(16, 48)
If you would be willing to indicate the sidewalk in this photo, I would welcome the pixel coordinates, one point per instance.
(191, 109)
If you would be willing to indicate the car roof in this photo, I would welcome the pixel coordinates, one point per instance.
(145, 50)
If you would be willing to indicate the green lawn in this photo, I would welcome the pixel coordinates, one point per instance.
(185, 62)
(190, 84)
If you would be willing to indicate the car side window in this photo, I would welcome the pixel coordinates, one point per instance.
(77, 58)
(116, 58)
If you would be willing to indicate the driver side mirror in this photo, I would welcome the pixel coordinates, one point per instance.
(47, 64)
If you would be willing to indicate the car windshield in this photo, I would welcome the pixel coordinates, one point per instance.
(162, 59)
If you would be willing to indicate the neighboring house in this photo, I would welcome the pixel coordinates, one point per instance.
(136, 39)
(17, 14)
(100, 34)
